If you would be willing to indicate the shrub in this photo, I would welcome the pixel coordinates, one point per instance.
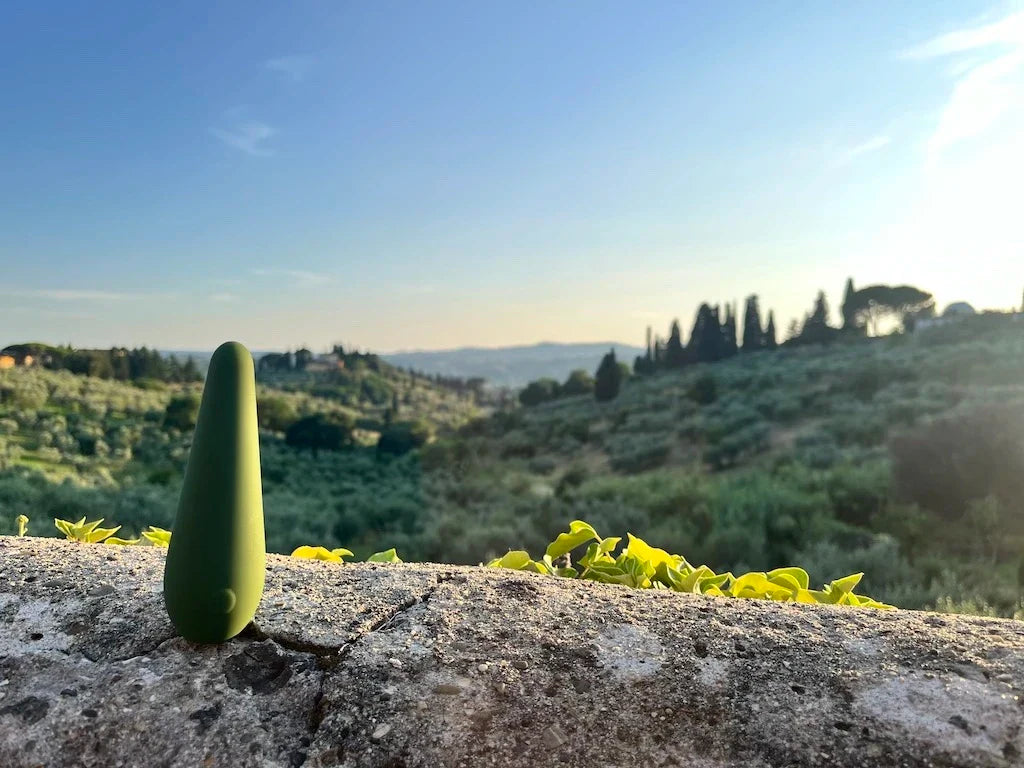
(275, 413)
(946, 463)
(403, 436)
(629, 453)
(704, 389)
(181, 413)
(539, 391)
(320, 431)
(579, 383)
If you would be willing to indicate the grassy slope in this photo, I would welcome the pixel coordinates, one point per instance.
(790, 464)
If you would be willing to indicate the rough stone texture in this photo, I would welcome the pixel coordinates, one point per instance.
(425, 665)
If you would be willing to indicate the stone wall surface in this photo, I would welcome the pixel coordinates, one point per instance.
(396, 666)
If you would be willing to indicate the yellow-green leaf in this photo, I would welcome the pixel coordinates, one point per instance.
(387, 556)
(579, 533)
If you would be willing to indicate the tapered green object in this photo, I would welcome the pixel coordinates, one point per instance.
(213, 578)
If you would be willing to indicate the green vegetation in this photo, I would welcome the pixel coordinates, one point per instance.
(139, 365)
(639, 565)
(642, 566)
(898, 457)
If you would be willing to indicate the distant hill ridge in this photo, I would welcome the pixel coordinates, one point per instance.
(512, 366)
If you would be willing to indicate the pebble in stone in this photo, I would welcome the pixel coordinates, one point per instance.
(380, 732)
(554, 737)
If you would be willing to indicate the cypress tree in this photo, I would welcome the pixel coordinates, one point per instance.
(706, 339)
(848, 308)
(769, 332)
(675, 355)
(816, 329)
(213, 576)
(753, 336)
(729, 346)
(608, 378)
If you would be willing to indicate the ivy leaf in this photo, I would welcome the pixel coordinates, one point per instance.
(387, 556)
(579, 533)
(158, 537)
(639, 548)
(516, 559)
(96, 535)
(122, 542)
(316, 553)
(847, 583)
(798, 574)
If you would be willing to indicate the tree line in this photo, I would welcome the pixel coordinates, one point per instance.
(300, 360)
(715, 336)
(118, 363)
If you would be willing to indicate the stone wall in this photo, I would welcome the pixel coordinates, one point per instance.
(427, 665)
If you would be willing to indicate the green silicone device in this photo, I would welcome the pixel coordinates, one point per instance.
(213, 578)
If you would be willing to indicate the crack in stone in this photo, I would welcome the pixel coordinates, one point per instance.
(327, 663)
(89, 655)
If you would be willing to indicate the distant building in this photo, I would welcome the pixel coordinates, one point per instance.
(955, 312)
(11, 357)
(958, 309)
(330, 361)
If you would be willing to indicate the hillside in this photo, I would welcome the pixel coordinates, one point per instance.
(899, 457)
(511, 366)
(381, 666)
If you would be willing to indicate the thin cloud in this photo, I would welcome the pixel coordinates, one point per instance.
(987, 86)
(248, 136)
(1006, 31)
(297, 276)
(223, 297)
(294, 68)
(873, 144)
(61, 294)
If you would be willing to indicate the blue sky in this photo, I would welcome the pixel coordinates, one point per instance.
(428, 175)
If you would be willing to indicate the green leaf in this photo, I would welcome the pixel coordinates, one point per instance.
(670, 577)
(798, 574)
(122, 542)
(66, 527)
(158, 537)
(387, 556)
(579, 533)
(787, 581)
(609, 573)
(96, 535)
(847, 583)
(515, 559)
(316, 553)
(639, 548)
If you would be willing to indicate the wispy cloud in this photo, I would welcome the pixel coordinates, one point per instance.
(249, 136)
(987, 86)
(223, 297)
(1007, 31)
(297, 276)
(294, 68)
(70, 294)
(849, 154)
